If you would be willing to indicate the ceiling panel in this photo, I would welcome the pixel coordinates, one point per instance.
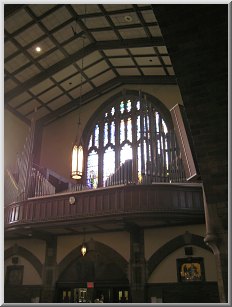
(27, 73)
(72, 82)
(45, 45)
(28, 107)
(56, 18)
(17, 21)
(116, 7)
(40, 9)
(105, 35)
(89, 59)
(118, 42)
(142, 51)
(96, 69)
(133, 33)
(85, 89)
(75, 45)
(19, 99)
(81, 8)
(122, 62)
(9, 48)
(152, 71)
(50, 94)
(29, 35)
(103, 78)
(52, 59)
(39, 113)
(128, 71)
(125, 19)
(66, 32)
(147, 61)
(9, 85)
(58, 102)
(65, 73)
(16, 62)
(42, 86)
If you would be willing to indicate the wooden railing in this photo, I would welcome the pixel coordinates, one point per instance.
(127, 199)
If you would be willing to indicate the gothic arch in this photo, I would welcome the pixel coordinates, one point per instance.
(127, 94)
(93, 246)
(23, 252)
(173, 245)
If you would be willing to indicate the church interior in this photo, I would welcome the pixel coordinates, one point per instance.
(116, 153)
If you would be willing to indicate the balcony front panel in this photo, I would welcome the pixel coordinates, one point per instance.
(177, 200)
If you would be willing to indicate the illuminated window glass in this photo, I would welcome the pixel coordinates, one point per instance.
(112, 139)
(138, 128)
(129, 130)
(97, 136)
(92, 169)
(112, 111)
(108, 164)
(126, 153)
(122, 108)
(138, 105)
(105, 134)
(90, 141)
(122, 131)
(128, 105)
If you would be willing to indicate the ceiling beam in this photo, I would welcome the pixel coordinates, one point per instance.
(114, 44)
(19, 115)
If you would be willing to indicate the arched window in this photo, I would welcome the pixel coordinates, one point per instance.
(131, 141)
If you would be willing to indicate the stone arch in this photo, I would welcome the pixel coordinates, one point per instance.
(92, 247)
(171, 246)
(23, 252)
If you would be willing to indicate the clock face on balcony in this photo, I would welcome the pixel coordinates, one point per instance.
(72, 200)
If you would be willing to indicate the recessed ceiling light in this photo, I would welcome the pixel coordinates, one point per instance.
(38, 49)
(128, 18)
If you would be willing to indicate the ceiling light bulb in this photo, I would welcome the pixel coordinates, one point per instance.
(38, 49)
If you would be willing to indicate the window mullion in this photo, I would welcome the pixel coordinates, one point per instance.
(100, 154)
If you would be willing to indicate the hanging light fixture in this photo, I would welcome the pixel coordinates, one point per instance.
(83, 247)
(77, 151)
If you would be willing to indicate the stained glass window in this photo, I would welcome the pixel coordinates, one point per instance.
(152, 155)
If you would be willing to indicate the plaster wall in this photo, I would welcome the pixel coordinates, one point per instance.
(166, 272)
(156, 237)
(15, 133)
(118, 241)
(36, 247)
(30, 275)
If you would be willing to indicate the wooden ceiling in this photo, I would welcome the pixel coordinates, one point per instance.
(101, 46)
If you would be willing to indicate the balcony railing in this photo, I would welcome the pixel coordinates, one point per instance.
(160, 198)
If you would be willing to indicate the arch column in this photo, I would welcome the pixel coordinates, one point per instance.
(49, 271)
(137, 265)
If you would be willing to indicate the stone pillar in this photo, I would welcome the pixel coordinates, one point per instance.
(137, 265)
(49, 271)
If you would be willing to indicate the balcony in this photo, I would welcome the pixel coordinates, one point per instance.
(106, 209)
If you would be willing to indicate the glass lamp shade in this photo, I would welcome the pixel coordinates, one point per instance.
(77, 162)
(83, 249)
